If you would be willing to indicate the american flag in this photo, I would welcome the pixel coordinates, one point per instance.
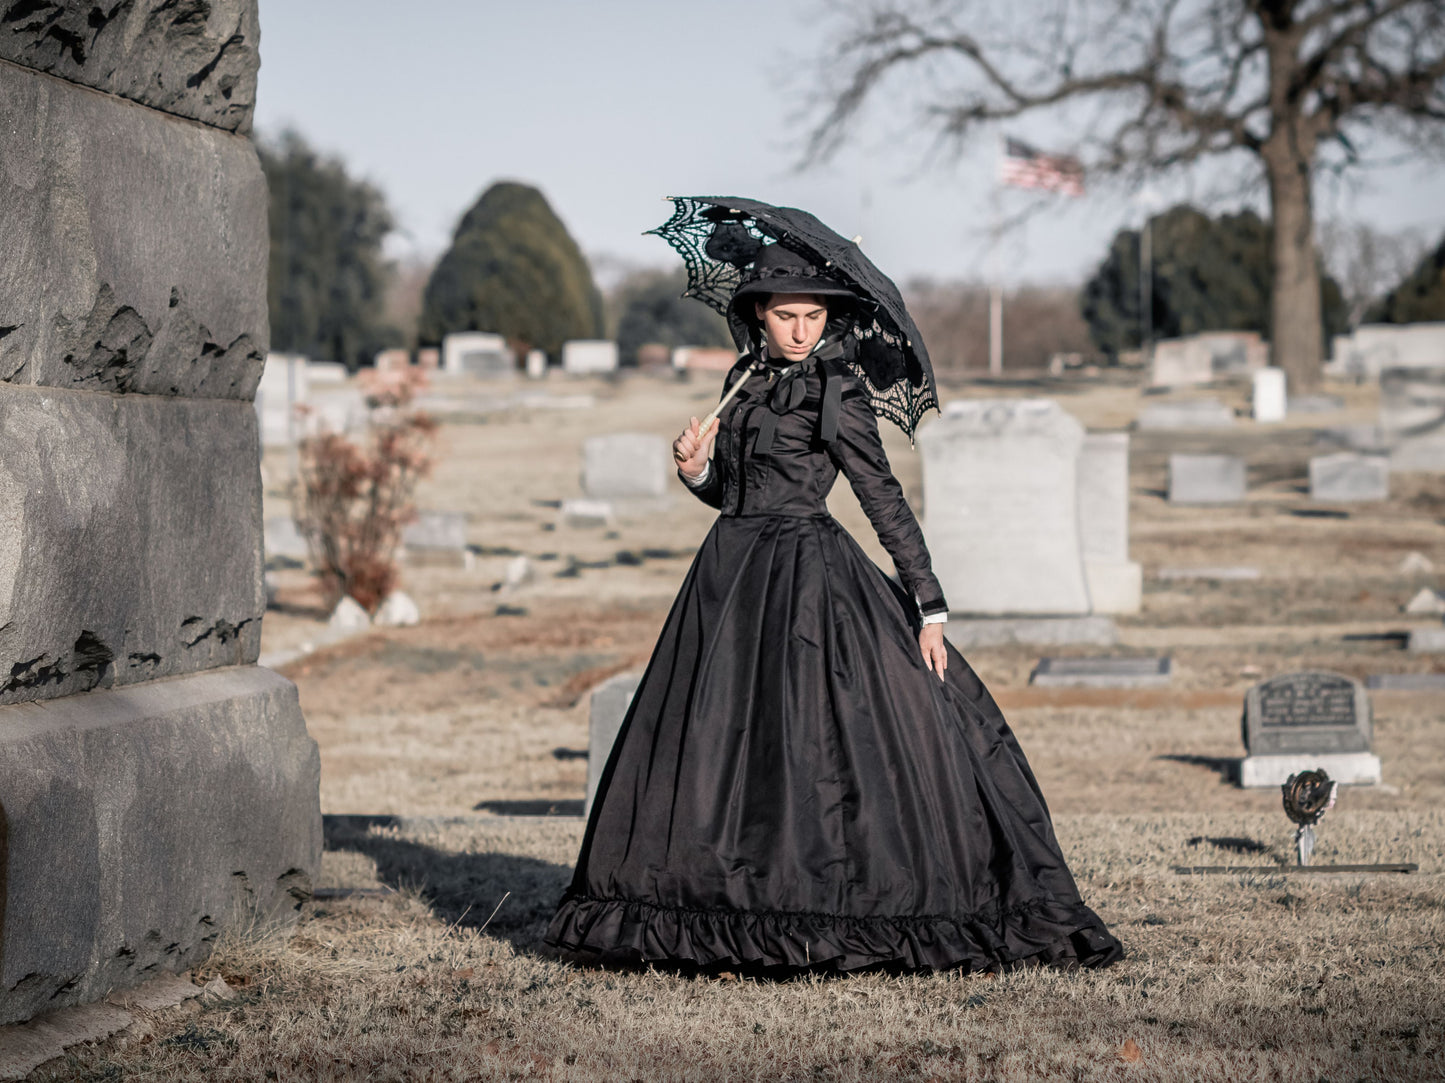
(1024, 166)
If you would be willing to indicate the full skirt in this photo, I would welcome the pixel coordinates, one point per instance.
(792, 788)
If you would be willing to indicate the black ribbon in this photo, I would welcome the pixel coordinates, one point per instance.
(790, 388)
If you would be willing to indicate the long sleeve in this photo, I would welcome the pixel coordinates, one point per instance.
(858, 451)
(707, 487)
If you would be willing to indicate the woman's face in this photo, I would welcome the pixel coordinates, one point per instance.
(794, 323)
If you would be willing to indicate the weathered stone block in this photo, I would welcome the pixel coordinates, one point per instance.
(606, 712)
(139, 822)
(1206, 479)
(194, 58)
(135, 247)
(130, 539)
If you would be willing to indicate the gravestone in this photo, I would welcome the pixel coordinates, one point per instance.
(586, 357)
(1191, 414)
(625, 465)
(140, 818)
(606, 711)
(479, 354)
(283, 387)
(437, 538)
(1000, 494)
(536, 365)
(1269, 400)
(1180, 362)
(1349, 477)
(394, 360)
(283, 539)
(1115, 582)
(1102, 672)
(1373, 349)
(1406, 682)
(1302, 721)
(1219, 572)
(1206, 479)
(428, 358)
(1412, 417)
(1426, 640)
(1315, 404)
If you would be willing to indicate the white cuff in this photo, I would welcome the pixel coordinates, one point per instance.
(699, 481)
(936, 618)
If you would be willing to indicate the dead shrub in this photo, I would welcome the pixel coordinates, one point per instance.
(357, 494)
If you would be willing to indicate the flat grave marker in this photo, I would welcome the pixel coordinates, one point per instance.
(1206, 479)
(1102, 672)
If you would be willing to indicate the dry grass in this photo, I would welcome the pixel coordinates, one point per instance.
(1268, 977)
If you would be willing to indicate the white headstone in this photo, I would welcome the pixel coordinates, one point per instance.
(625, 464)
(582, 356)
(283, 387)
(1179, 362)
(1346, 476)
(1374, 348)
(283, 538)
(478, 353)
(536, 364)
(438, 538)
(1115, 582)
(1269, 394)
(606, 712)
(1000, 485)
(1206, 479)
(1412, 417)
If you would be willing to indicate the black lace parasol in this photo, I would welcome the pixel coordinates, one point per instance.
(719, 236)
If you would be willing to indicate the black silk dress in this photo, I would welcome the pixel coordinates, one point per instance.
(791, 786)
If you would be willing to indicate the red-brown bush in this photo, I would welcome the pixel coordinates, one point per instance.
(356, 495)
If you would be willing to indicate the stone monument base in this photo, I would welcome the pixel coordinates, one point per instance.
(1346, 768)
(1115, 587)
(137, 824)
(968, 632)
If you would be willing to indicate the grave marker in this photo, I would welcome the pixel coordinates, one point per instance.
(1206, 479)
(606, 712)
(1303, 721)
(1345, 476)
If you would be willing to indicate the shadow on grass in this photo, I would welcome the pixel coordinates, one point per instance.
(461, 888)
(1227, 767)
(564, 807)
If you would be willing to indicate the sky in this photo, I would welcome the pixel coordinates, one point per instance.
(608, 106)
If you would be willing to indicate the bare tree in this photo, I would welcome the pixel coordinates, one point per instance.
(1298, 85)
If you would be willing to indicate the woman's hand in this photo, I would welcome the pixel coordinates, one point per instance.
(692, 448)
(935, 655)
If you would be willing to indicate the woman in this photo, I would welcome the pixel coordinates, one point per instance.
(809, 775)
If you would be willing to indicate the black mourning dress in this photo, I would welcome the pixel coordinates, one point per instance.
(791, 786)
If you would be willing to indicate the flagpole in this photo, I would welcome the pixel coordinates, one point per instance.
(995, 289)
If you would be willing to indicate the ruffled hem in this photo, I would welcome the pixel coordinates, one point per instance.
(1043, 932)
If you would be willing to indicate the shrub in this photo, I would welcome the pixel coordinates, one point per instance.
(357, 495)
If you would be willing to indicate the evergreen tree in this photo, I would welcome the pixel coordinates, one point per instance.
(1209, 274)
(327, 274)
(513, 269)
(651, 308)
(1420, 296)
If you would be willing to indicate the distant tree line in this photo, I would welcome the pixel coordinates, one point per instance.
(513, 269)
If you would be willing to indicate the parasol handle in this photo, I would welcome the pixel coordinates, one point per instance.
(707, 422)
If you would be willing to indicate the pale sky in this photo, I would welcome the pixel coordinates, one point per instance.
(609, 105)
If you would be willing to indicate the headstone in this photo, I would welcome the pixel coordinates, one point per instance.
(1349, 477)
(479, 354)
(429, 358)
(1315, 404)
(518, 574)
(704, 358)
(585, 357)
(967, 633)
(397, 610)
(587, 513)
(437, 538)
(282, 388)
(392, 360)
(653, 355)
(1412, 417)
(349, 616)
(327, 372)
(1426, 641)
(1302, 721)
(1221, 572)
(1115, 582)
(283, 539)
(625, 464)
(1180, 362)
(1426, 602)
(606, 712)
(1102, 672)
(1269, 394)
(1001, 493)
(1373, 348)
(1190, 414)
(536, 365)
(1206, 479)
(1406, 682)
(158, 789)
(1415, 563)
